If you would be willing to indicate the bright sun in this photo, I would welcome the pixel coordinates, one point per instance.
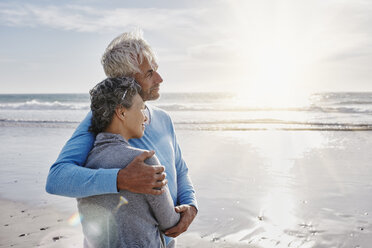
(275, 80)
(274, 59)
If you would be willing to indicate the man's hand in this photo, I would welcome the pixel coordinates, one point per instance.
(138, 177)
(188, 214)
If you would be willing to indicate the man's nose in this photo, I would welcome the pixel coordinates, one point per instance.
(159, 79)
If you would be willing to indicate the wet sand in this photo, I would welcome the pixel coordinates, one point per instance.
(255, 189)
(25, 226)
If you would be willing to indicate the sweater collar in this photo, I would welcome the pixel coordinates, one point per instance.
(105, 137)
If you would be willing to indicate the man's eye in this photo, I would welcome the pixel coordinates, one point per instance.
(149, 74)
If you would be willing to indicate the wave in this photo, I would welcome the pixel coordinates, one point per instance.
(57, 105)
(356, 102)
(296, 125)
(37, 105)
(274, 121)
(313, 108)
(347, 110)
(38, 123)
(219, 125)
(278, 129)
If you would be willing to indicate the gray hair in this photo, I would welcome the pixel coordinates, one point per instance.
(125, 53)
(106, 96)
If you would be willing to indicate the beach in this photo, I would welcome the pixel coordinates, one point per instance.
(266, 106)
(254, 188)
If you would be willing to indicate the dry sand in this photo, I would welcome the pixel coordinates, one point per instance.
(25, 226)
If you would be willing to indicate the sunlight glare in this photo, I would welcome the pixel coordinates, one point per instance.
(273, 84)
(274, 58)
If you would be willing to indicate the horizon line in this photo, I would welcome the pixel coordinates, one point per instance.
(179, 92)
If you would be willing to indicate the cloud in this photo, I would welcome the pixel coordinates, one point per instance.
(88, 19)
(360, 52)
(223, 51)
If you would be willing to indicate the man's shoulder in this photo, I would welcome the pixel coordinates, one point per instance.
(156, 109)
(157, 112)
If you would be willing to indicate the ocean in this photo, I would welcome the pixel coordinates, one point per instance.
(338, 111)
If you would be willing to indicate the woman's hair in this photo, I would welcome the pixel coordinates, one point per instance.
(125, 53)
(106, 96)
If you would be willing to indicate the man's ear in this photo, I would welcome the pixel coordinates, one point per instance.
(120, 113)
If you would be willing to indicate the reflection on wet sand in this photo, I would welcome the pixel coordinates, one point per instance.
(283, 189)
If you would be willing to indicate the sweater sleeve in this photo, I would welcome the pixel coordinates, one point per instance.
(186, 192)
(68, 177)
(162, 205)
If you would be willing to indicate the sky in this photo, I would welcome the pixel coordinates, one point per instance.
(285, 47)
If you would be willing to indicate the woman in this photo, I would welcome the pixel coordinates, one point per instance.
(125, 219)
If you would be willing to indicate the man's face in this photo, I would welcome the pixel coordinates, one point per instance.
(149, 80)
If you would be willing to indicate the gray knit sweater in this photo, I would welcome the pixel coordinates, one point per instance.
(108, 220)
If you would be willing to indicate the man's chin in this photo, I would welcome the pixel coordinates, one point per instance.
(154, 95)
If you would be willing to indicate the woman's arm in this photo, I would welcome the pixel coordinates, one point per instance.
(162, 205)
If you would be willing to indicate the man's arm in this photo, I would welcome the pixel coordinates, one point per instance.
(187, 205)
(186, 199)
(162, 205)
(68, 177)
(186, 192)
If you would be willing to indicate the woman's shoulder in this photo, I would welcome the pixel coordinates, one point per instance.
(110, 154)
(133, 152)
(150, 161)
(115, 155)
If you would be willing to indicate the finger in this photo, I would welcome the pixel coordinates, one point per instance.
(175, 231)
(158, 168)
(174, 235)
(156, 191)
(172, 230)
(160, 176)
(181, 208)
(160, 184)
(145, 155)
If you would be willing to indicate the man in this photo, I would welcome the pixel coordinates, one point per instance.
(130, 55)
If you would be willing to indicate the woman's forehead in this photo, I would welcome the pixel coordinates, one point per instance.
(137, 99)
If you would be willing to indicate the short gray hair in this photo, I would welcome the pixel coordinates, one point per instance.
(106, 96)
(125, 53)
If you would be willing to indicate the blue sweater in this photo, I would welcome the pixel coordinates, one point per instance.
(68, 177)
